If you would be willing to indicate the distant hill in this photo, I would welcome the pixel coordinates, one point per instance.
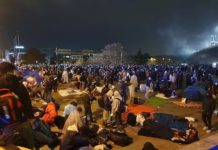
(205, 56)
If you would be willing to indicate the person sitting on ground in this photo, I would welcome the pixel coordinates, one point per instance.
(87, 105)
(75, 117)
(69, 108)
(74, 140)
(50, 113)
(42, 133)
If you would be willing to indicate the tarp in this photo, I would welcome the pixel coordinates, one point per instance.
(156, 101)
(137, 109)
(194, 93)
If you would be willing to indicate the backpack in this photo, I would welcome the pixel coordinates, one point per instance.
(120, 138)
(10, 108)
(131, 119)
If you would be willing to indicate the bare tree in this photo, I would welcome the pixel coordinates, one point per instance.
(114, 53)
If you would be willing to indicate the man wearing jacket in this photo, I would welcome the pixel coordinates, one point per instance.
(208, 107)
(10, 80)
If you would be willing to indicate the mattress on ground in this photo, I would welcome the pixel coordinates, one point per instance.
(137, 109)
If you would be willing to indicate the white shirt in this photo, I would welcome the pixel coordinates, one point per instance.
(68, 109)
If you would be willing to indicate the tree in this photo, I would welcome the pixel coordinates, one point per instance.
(33, 56)
(85, 58)
(141, 58)
(114, 53)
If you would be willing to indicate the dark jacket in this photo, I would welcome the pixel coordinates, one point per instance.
(107, 103)
(13, 83)
(154, 129)
(208, 105)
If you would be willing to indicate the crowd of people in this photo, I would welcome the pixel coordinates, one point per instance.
(113, 86)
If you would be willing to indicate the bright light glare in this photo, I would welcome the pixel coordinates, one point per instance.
(216, 29)
(214, 64)
(19, 47)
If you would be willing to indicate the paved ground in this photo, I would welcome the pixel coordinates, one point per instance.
(203, 144)
(169, 107)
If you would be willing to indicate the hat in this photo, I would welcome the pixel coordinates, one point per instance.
(149, 146)
(117, 95)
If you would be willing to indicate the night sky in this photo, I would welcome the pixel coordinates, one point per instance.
(155, 26)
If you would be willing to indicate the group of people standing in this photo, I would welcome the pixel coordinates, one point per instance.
(113, 98)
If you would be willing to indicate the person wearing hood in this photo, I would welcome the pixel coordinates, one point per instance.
(50, 113)
(115, 107)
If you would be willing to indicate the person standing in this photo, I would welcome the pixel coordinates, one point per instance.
(48, 88)
(132, 87)
(65, 76)
(124, 90)
(87, 105)
(208, 107)
(115, 113)
(107, 99)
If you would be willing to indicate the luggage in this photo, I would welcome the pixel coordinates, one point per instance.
(59, 122)
(138, 101)
(131, 119)
(120, 138)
